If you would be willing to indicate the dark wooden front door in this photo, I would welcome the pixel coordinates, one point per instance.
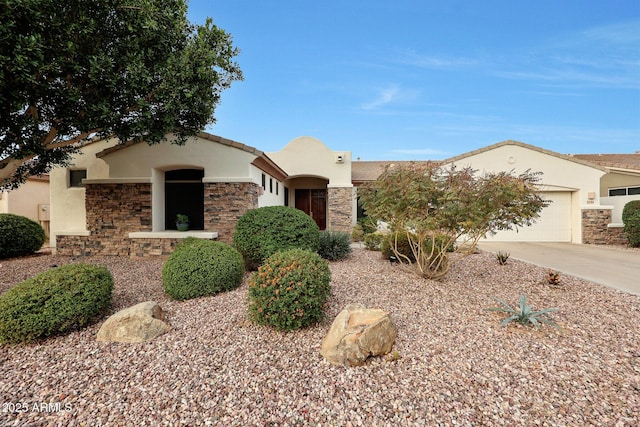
(314, 204)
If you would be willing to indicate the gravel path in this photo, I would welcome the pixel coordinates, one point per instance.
(457, 365)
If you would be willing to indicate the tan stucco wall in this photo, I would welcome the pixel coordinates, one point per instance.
(220, 162)
(616, 180)
(25, 199)
(308, 156)
(68, 212)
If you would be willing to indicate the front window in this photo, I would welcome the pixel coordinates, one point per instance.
(76, 176)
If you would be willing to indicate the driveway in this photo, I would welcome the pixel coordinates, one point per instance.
(615, 268)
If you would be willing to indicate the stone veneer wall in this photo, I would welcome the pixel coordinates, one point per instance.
(595, 230)
(340, 212)
(225, 203)
(113, 211)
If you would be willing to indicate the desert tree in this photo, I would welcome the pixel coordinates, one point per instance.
(79, 69)
(439, 209)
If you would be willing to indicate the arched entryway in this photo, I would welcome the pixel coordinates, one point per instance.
(184, 194)
(310, 196)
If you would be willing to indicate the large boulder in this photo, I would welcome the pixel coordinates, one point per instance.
(356, 334)
(141, 322)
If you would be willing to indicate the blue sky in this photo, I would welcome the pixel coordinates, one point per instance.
(412, 79)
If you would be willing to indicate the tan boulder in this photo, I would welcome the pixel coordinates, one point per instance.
(357, 333)
(141, 322)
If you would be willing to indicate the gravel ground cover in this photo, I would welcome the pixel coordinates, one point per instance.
(457, 366)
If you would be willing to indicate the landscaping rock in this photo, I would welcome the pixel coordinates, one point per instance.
(356, 334)
(141, 322)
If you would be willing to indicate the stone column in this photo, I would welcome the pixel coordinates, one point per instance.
(340, 208)
(225, 203)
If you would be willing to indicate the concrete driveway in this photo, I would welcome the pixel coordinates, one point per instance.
(615, 268)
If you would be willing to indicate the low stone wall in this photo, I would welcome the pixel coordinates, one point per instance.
(596, 230)
(115, 210)
(141, 248)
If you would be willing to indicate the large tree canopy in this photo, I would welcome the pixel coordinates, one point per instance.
(76, 69)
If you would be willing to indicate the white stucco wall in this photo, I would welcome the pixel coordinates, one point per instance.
(618, 203)
(273, 191)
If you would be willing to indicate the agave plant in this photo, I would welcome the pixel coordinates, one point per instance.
(502, 257)
(525, 314)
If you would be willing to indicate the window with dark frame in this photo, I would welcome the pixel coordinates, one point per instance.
(624, 191)
(76, 176)
(277, 187)
(270, 185)
(264, 182)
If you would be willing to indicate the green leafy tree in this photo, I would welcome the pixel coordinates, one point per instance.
(78, 69)
(433, 209)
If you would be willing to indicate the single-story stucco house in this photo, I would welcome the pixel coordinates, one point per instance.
(122, 199)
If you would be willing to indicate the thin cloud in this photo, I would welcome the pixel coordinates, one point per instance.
(410, 57)
(604, 56)
(389, 95)
(618, 34)
(385, 96)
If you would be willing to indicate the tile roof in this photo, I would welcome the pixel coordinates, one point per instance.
(621, 161)
(362, 171)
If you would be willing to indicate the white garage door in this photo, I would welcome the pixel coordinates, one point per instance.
(553, 225)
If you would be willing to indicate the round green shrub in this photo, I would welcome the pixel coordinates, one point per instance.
(334, 245)
(631, 220)
(373, 241)
(289, 290)
(199, 267)
(357, 233)
(19, 236)
(630, 209)
(264, 231)
(54, 302)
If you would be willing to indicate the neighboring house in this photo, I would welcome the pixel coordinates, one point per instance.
(122, 199)
(621, 184)
(31, 199)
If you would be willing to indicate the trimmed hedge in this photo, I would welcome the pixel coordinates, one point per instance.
(54, 302)
(334, 245)
(289, 290)
(19, 236)
(199, 267)
(631, 220)
(263, 231)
